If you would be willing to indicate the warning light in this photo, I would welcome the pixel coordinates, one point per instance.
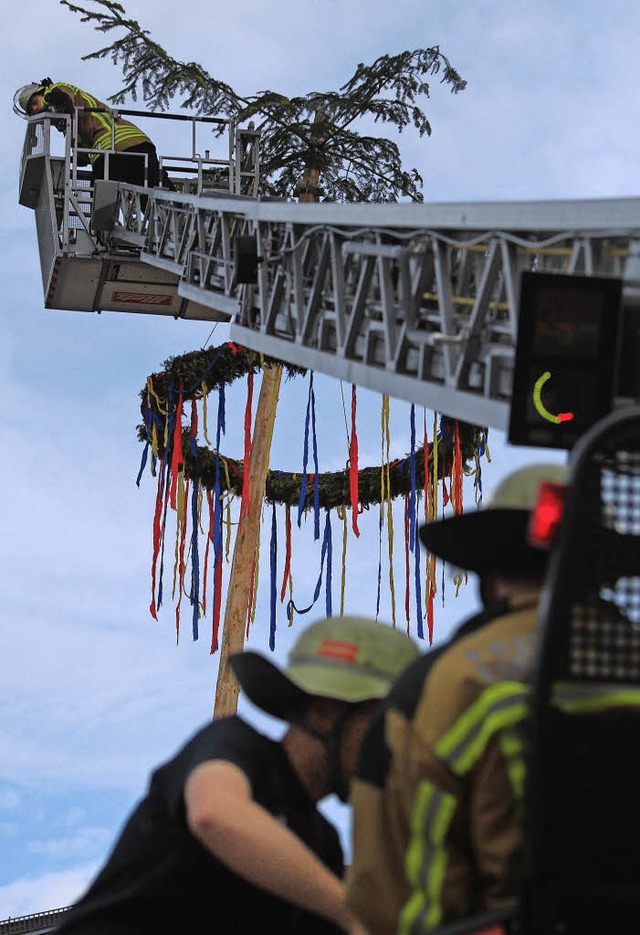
(546, 515)
(566, 352)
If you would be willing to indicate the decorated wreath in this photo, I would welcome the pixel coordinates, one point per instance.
(192, 476)
(200, 372)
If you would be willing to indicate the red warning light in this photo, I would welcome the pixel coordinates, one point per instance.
(546, 515)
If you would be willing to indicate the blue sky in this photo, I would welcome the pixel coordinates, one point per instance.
(93, 692)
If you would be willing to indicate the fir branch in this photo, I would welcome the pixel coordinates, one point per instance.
(316, 130)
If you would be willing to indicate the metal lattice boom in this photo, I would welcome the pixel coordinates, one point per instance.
(416, 301)
(420, 302)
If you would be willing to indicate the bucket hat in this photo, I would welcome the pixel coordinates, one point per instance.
(348, 658)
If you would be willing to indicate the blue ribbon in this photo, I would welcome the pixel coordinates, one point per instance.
(326, 553)
(217, 499)
(413, 494)
(310, 419)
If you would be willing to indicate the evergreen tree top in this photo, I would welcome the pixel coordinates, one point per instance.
(321, 131)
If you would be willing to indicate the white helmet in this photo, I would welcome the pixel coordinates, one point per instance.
(22, 97)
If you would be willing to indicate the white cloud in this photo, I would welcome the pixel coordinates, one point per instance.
(85, 841)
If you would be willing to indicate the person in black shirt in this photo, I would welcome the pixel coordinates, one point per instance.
(229, 838)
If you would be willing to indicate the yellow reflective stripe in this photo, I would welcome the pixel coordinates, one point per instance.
(87, 100)
(426, 860)
(576, 699)
(501, 705)
(121, 135)
(410, 915)
(512, 748)
(498, 709)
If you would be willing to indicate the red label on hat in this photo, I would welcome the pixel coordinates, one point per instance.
(338, 649)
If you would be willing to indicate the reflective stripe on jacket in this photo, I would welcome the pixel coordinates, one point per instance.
(466, 760)
(465, 763)
(376, 884)
(95, 130)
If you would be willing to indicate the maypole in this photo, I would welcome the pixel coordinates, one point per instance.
(244, 552)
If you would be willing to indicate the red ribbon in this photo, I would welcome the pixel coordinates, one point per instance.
(287, 560)
(457, 472)
(217, 601)
(353, 464)
(407, 587)
(181, 565)
(157, 538)
(177, 457)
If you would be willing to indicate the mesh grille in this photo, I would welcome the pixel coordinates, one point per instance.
(604, 637)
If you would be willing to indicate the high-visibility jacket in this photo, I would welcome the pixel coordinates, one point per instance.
(376, 884)
(95, 130)
(464, 759)
(464, 774)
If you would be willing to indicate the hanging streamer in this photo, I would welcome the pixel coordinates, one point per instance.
(194, 595)
(181, 536)
(273, 561)
(413, 491)
(482, 450)
(414, 544)
(177, 456)
(407, 602)
(353, 464)
(418, 591)
(431, 514)
(310, 425)
(387, 500)
(143, 462)
(343, 572)
(162, 548)
(204, 393)
(286, 577)
(208, 541)
(457, 473)
(253, 589)
(217, 526)
(158, 531)
(326, 554)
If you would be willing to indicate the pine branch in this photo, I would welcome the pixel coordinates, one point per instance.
(316, 130)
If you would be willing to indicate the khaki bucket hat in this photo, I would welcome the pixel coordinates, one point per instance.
(348, 658)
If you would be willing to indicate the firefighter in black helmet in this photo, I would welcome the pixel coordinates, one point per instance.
(438, 784)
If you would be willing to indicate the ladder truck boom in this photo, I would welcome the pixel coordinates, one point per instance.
(416, 301)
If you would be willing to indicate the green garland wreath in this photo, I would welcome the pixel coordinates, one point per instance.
(200, 372)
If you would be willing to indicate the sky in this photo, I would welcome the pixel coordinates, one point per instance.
(94, 692)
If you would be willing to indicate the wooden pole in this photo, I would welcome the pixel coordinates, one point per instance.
(235, 616)
(247, 538)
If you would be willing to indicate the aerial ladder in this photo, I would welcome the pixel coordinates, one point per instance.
(418, 301)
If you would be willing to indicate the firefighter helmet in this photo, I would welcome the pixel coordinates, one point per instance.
(22, 97)
(494, 539)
